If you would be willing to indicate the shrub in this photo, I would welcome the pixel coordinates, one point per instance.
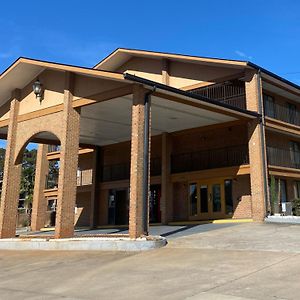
(296, 207)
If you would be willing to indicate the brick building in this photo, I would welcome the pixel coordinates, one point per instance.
(197, 137)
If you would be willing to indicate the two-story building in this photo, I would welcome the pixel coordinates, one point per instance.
(214, 132)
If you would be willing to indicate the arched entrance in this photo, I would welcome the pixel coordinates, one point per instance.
(12, 180)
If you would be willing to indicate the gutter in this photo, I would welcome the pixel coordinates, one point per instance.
(171, 89)
(260, 69)
(263, 144)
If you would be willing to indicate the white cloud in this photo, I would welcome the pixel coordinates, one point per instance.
(242, 54)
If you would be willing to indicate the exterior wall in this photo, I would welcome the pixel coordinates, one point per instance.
(241, 194)
(83, 209)
(88, 86)
(180, 74)
(143, 67)
(184, 74)
(197, 140)
(53, 94)
(180, 201)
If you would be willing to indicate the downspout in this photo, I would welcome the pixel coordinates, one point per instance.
(146, 161)
(263, 144)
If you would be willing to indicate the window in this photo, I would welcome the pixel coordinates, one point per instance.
(269, 106)
(228, 196)
(297, 189)
(292, 112)
(193, 199)
(295, 154)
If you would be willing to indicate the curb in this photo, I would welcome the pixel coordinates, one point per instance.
(84, 244)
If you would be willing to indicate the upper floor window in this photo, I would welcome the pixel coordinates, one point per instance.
(269, 106)
(292, 113)
(295, 153)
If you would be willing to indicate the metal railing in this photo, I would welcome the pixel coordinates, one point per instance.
(84, 177)
(283, 157)
(230, 92)
(282, 113)
(122, 171)
(53, 148)
(51, 181)
(210, 159)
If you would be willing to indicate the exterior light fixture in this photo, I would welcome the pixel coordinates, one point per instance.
(37, 88)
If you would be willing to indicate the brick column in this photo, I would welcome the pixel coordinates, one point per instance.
(137, 168)
(12, 174)
(256, 149)
(67, 182)
(166, 203)
(94, 189)
(39, 205)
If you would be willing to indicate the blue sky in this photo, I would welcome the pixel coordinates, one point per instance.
(83, 32)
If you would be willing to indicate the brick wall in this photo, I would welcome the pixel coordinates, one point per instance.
(241, 197)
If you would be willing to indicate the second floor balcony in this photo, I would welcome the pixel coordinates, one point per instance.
(210, 159)
(287, 113)
(283, 157)
(122, 171)
(230, 92)
(84, 177)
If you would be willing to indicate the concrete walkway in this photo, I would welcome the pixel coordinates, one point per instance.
(244, 261)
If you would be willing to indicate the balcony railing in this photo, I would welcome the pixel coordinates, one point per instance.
(283, 158)
(51, 181)
(232, 93)
(53, 148)
(282, 113)
(210, 159)
(122, 171)
(84, 177)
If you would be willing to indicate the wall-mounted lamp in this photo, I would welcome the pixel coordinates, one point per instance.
(37, 88)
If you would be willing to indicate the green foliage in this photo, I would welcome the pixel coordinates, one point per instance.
(28, 174)
(296, 206)
(273, 195)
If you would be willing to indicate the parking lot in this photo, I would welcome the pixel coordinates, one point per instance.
(210, 261)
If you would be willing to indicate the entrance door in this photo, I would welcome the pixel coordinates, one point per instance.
(207, 199)
(118, 207)
(154, 204)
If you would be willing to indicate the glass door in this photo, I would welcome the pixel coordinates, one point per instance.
(207, 199)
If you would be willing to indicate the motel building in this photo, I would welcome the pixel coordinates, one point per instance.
(148, 137)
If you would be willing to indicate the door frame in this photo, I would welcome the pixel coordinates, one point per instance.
(210, 214)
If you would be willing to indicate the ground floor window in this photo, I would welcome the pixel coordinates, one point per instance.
(297, 189)
(193, 199)
(228, 196)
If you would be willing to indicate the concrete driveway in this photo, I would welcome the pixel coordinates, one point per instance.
(244, 261)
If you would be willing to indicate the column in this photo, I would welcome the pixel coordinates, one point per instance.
(166, 204)
(94, 192)
(12, 174)
(67, 182)
(137, 164)
(39, 205)
(257, 149)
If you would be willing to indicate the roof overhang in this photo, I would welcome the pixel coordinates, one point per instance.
(121, 55)
(24, 70)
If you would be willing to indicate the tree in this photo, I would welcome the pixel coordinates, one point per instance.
(28, 174)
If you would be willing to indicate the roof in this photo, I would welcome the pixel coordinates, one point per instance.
(23, 70)
(121, 55)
